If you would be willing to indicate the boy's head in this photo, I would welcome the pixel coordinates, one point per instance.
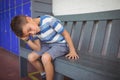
(23, 26)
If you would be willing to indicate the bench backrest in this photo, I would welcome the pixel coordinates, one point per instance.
(96, 34)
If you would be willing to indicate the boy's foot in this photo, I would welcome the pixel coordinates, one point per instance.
(43, 77)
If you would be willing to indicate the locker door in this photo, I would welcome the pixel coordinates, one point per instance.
(24, 1)
(1, 29)
(5, 33)
(14, 40)
(0, 26)
(26, 9)
(0, 5)
(7, 29)
(7, 4)
(12, 3)
(18, 2)
(18, 10)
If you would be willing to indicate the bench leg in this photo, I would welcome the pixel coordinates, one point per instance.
(58, 76)
(23, 67)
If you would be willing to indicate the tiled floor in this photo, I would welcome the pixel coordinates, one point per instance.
(9, 67)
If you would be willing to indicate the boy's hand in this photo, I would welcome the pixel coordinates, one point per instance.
(72, 55)
(24, 38)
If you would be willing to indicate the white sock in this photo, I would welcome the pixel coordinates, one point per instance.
(43, 73)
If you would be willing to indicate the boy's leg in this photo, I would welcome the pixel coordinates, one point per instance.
(54, 51)
(32, 57)
(48, 66)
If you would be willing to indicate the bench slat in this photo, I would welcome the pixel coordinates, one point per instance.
(114, 41)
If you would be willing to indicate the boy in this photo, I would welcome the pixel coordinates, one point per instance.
(50, 40)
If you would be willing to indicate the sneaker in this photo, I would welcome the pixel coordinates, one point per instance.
(43, 77)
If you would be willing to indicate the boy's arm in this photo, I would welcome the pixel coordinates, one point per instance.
(72, 54)
(56, 25)
(35, 45)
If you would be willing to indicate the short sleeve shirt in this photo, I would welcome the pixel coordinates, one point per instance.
(50, 30)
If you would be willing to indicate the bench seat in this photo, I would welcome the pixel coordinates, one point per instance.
(89, 68)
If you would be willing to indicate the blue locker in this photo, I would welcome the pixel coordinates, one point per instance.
(7, 4)
(7, 19)
(12, 3)
(18, 2)
(18, 10)
(0, 27)
(3, 31)
(7, 29)
(12, 13)
(14, 40)
(24, 1)
(14, 44)
(0, 5)
(8, 40)
(18, 46)
(4, 6)
(26, 9)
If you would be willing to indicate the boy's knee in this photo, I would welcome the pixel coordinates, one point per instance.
(46, 58)
(32, 57)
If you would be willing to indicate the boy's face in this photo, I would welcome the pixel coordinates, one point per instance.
(31, 28)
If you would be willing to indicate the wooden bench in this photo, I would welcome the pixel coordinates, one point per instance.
(96, 37)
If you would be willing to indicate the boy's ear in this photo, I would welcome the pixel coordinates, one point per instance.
(29, 19)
